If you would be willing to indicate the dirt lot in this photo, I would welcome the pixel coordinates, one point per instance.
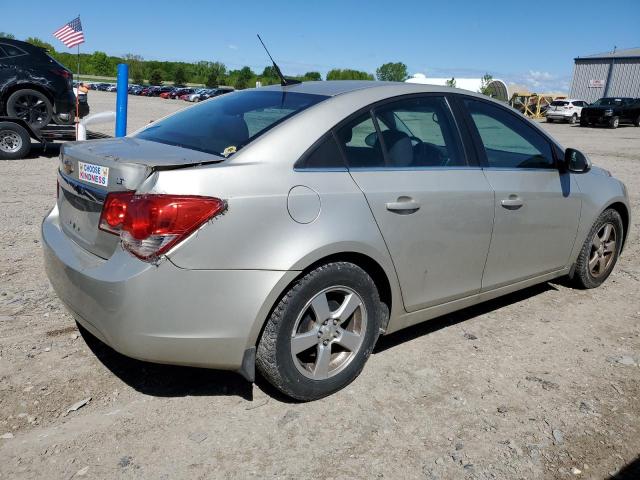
(532, 385)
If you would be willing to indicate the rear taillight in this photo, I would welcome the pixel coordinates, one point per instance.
(149, 225)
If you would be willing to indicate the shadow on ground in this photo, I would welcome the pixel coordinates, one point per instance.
(630, 471)
(168, 380)
(416, 331)
(174, 381)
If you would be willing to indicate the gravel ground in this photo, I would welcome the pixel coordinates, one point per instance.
(543, 383)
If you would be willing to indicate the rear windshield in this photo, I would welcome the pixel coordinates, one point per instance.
(611, 101)
(227, 123)
(559, 104)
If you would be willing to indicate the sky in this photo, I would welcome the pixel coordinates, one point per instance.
(530, 43)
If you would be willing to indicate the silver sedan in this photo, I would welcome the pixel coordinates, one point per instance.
(286, 228)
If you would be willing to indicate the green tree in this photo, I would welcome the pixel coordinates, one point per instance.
(7, 35)
(40, 43)
(451, 83)
(312, 76)
(155, 78)
(136, 67)
(392, 72)
(100, 64)
(215, 74)
(485, 87)
(243, 78)
(348, 74)
(179, 77)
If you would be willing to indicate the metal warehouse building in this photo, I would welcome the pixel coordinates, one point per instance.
(614, 74)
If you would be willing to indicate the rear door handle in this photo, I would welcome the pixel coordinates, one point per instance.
(514, 202)
(404, 205)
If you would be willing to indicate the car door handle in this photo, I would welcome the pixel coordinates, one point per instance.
(403, 205)
(514, 202)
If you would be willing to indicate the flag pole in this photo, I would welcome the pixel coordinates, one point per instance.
(77, 119)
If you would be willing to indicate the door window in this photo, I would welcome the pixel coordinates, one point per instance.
(508, 141)
(419, 132)
(359, 140)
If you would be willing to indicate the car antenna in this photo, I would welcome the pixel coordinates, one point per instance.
(283, 80)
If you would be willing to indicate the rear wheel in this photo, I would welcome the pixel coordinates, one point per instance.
(614, 122)
(584, 122)
(636, 122)
(15, 141)
(573, 119)
(321, 333)
(31, 106)
(600, 250)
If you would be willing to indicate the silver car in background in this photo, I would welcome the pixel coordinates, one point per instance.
(288, 227)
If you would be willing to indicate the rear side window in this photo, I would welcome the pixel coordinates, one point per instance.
(12, 51)
(508, 141)
(326, 155)
(359, 140)
(229, 122)
(558, 103)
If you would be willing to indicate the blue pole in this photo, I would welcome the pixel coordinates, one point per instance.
(121, 100)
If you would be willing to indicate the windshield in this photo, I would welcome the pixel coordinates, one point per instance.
(610, 101)
(227, 123)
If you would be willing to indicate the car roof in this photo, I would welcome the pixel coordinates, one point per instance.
(332, 88)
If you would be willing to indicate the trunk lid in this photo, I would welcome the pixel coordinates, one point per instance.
(88, 171)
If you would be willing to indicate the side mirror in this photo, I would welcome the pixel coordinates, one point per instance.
(575, 161)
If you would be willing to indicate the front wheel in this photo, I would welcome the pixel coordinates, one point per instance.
(614, 122)
(321, 333)
(600, 250)
(573, 119)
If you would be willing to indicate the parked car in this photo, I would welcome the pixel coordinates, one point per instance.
(612, 111)
(157, 91)
(214, 92)
(112, 87)
(289, 227)
(167, 93)
(33, 86)
(565, 110)
(178, 92)
(193, 96)
(135, 89)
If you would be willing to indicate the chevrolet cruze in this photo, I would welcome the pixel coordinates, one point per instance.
(288, 227)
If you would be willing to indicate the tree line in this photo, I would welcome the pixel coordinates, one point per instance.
(209, 73)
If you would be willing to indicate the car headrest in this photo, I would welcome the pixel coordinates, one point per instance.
(399, 148)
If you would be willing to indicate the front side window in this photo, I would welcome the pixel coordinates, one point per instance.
(419, 132)
(508, 141)
(228, 123)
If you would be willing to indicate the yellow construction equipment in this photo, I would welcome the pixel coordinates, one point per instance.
(533, 105)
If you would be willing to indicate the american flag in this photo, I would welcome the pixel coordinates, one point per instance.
(71, 34)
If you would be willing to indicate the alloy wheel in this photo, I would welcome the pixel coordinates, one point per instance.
(603, 250)
(31, 108)
(328, 333)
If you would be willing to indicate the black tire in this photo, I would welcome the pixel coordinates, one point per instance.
(31, 106)
(583, 276)
(549, 120)
(614, 122)
(573, 119)
(274, 358)
(584, 122)
(636, 122)
(15, 142)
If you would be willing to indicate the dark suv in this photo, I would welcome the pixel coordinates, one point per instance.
(612, 111)
(33, 86)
